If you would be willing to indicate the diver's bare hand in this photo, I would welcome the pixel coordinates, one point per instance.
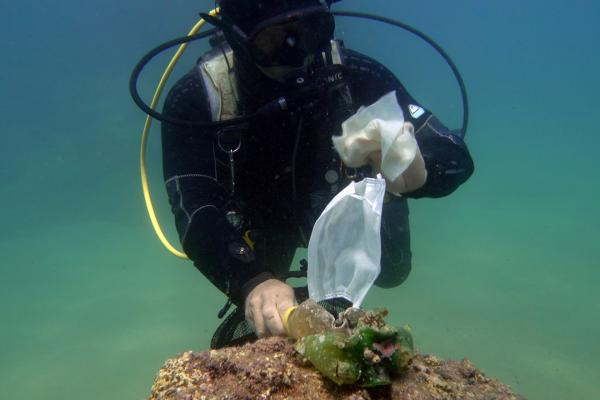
(265, 306)
(412, 178)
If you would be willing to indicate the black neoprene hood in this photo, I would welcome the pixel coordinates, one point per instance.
(247, 14)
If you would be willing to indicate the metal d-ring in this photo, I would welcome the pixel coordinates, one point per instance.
(230, 153)
(353, 175)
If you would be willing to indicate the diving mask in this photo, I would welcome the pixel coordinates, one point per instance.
(291, 39)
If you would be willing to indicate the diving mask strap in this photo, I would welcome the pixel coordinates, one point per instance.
(234, 32)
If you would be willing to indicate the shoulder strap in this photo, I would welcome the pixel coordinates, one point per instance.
(220, 83)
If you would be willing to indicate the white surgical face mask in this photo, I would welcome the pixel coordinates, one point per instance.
(344, 251)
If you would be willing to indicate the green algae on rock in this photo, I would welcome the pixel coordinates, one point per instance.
(359, 348)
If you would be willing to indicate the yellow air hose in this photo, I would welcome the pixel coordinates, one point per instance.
(143, 145)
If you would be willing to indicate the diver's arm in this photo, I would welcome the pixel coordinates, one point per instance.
(199, 199)
(445, 155)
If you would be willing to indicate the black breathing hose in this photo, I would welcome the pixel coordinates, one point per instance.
(429, 41)
(234, 121)
(161, 117)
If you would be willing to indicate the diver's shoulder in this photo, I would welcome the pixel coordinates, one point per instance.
(190, 84)
(362, 66)
(354, 57)
(187, 98)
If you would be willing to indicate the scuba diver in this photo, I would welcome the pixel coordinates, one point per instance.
(246, 195)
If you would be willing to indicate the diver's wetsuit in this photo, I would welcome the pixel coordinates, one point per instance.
(280, 184)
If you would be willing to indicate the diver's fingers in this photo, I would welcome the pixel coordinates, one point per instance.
(272, 318)
(258, 322)
(262, 311)
(374, 159)
(248, 317)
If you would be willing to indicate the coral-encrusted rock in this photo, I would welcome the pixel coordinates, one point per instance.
(270, 369)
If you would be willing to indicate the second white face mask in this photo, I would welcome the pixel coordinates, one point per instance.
(378, 127)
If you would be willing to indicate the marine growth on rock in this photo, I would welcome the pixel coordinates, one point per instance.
(359, 348)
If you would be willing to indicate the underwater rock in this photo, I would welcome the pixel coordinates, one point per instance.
(271, 369)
